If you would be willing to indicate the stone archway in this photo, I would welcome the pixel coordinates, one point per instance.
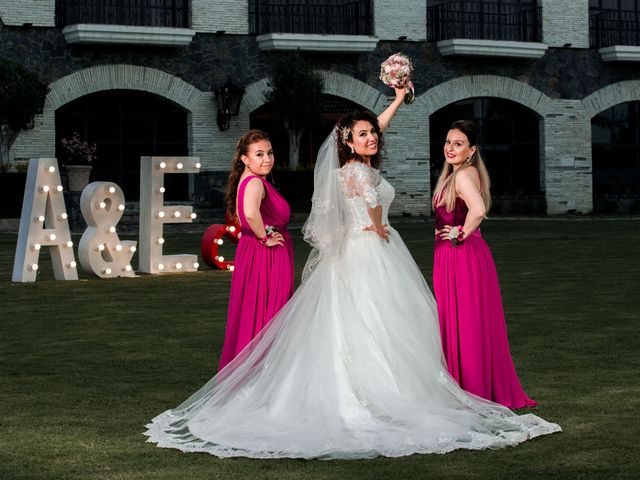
(614, 113)
(335, 83)
(40, 141)
(484, 86)
(611, 95)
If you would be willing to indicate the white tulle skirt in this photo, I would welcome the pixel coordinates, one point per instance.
(351, 367)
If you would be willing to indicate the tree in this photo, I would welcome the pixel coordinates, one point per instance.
(296, 97)
(22, 96)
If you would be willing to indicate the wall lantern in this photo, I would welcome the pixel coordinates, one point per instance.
(228, 98)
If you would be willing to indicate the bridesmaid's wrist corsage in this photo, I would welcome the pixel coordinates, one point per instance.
(456, 235)
(270, 231)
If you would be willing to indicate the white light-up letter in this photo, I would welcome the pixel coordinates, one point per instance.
(47, 207)
(153, 217)
(100, 250)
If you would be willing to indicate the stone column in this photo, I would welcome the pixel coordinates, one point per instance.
(568, 172)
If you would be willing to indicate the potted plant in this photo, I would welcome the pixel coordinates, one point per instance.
(77, 158)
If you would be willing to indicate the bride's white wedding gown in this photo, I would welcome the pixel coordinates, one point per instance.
(351, 367)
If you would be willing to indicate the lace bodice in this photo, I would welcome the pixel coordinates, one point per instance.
(363, 187)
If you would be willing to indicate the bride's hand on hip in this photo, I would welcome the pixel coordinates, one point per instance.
(382, 231)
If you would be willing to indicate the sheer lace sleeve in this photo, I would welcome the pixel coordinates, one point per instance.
(359, 180)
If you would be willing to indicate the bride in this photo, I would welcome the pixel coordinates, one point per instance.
(352, 366)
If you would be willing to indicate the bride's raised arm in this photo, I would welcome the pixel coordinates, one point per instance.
(384, 119)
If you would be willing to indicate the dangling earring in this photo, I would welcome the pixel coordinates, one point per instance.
(353, 151)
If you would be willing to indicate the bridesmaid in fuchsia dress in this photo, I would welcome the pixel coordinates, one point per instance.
(472, 324)
(263, 277)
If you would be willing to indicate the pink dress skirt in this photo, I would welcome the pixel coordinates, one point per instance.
(472, 324)
(263, 277)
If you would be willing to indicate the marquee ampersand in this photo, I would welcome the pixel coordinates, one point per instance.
(100, 250)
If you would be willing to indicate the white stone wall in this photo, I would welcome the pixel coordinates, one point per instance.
(565, 22)
(565, 125)
(566, 172)
(393, 19)
(406, 163)
(215, 15)
(39, 13)
(567, 158)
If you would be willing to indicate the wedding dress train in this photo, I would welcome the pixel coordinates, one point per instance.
(351, 367)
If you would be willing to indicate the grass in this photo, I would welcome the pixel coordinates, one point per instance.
(84, 365)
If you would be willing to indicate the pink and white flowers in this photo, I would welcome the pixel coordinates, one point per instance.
(396, 71)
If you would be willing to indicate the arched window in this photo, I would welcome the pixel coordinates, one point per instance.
(615, 135)
(509, 141)
(126, 125)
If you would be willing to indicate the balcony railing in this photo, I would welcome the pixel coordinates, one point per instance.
(148, 13)
(329, 17)
(614, 27)
(483, 20)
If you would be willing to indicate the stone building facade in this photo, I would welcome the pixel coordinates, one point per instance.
(560, 79)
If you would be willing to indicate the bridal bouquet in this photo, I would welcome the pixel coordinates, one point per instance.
(395, 72)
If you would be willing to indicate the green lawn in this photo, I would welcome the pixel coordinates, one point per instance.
(84, 365)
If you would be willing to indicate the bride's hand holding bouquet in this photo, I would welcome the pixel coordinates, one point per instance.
(395, 72)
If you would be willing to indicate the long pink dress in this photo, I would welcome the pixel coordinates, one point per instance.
(472, 325)
(263, 277)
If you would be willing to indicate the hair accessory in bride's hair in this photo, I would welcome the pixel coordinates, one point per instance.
(344, 134)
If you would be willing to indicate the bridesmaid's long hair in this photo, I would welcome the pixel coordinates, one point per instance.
(344, 131)
(445, 191)
(238, 166)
